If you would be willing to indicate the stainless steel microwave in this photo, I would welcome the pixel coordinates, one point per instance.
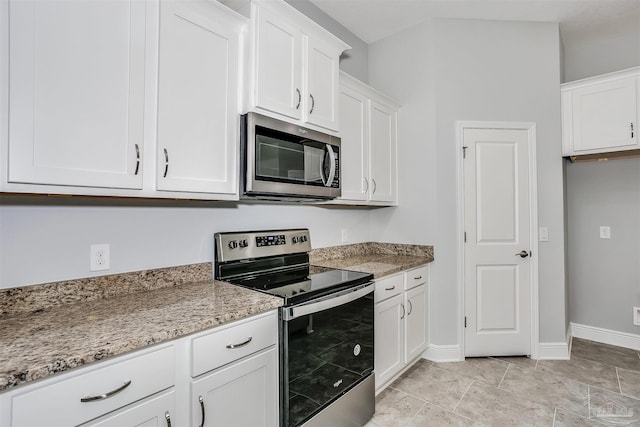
(286, 162)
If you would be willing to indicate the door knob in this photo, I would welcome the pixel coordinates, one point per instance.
(523, 254)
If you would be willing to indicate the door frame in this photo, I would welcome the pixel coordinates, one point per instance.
(530, 127)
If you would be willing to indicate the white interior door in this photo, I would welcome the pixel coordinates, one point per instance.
(498, 229)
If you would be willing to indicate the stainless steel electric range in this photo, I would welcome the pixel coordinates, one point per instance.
(326, 325)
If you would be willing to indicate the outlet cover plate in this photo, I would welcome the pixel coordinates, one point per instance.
(99, 257)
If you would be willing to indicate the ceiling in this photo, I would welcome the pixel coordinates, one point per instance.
(372, 20)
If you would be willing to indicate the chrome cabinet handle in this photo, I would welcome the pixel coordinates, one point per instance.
(523, 254)
(417, 278)
(366, 181)
(391, 288)
(631, 129)
(107, 394)
(410, 308)
(299, 98)
(242, 344)
(137, 159)
(201, 400)
(403, 311)
(375, 186)
(168, 418)
(166, 163)
(313, 103)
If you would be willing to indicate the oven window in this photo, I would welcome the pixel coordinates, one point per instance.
(325, 355)
(283, 158)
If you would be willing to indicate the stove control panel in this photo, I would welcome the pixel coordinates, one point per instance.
(271, 240)
(255, 244)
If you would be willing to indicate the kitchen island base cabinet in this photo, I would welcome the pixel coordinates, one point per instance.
(401, 323)
(242, 394)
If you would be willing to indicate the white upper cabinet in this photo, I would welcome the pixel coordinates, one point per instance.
(278, 79)
(294, 66)
(198, 98)
(601, 114)
(76, 92)
(368, 144)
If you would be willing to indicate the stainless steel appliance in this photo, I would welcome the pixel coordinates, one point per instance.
(283, 161)
(326, 325)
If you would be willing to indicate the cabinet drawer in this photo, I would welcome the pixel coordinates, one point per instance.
(416, 277)
(388, 287)
(234, 342)
(60, 403)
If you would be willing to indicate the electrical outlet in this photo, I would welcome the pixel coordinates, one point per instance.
(636, 316)
(605, 232)
(345, 235)
(99, 257)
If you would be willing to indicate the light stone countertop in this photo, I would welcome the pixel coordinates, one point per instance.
(37, 345)
(380, 259)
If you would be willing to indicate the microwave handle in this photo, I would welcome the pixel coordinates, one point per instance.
(332, 167)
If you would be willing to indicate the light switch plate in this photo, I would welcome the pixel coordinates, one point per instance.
(605, 232)
(543, 234)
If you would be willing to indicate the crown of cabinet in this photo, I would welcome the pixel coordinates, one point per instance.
(293, 67)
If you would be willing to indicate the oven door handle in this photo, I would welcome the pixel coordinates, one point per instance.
(331, 301)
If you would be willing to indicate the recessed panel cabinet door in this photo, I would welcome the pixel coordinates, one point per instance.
(354, 148)
(76, 92)
(389, 338)
(383, 153)
(417, 316)
(242, 394)
(279, 65)
(605, 117)
(197, 98)
(158, 411)
(322, 86)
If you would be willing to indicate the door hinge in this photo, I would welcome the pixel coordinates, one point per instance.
(464, 152)
(465, 321)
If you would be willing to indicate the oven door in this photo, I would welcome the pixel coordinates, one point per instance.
(327, 350)
(287, 160)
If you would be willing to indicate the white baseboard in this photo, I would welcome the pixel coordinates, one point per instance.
(553, 351)
(443, 353)
(606, 336)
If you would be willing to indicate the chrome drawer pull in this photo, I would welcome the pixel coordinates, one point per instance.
(242, 344)
(201, 400)
(137, 159)
(313, 105)
(299, 98)
(410, 308)
(105, 395)
(417, 278)
(403, 311)
(168, 418)
(166, 163)
(391, 288)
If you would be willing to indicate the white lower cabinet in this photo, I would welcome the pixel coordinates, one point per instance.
(156, 411)
(152, 387)
(401, 322)
(216, 397)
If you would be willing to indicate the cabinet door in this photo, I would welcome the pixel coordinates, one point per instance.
(243, 394)
(278, 85)
(153, 412)
(383, 153)
(604, 116)
(416, 325)
(322, 84)
(197, 99)
(389, 339)
(76, 92)
(354, 149)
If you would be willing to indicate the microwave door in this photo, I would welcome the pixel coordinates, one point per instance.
(313, 164)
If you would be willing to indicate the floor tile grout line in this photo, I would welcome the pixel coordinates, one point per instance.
(504, 375)
(416, 414)
(618, 377)
(555, 411)
(462, 397)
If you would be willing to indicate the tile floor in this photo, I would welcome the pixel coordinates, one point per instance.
(599, 386)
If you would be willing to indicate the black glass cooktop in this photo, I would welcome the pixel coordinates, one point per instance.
(301, 285)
